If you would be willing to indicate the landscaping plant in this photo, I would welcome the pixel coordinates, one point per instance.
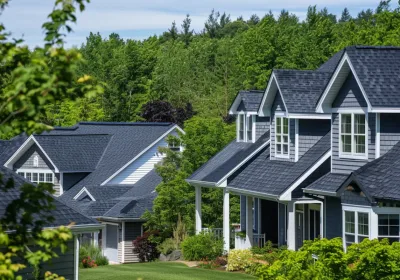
(202, 246)
(240, 259)
(145, 247)
(91, 256)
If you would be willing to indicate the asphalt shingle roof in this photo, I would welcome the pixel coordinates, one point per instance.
(9, 147)
(251, 99)
(331, 64)
(128, 140)
(63, 214)
(378, 69)
(227, 159)
(381, 178)
(116, 201)
(74, 152)
(330, 182)
(301, 88)
(273, 177)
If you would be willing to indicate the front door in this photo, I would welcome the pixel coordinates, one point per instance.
(299, 229)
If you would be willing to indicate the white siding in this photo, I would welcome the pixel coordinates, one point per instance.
(141, 166)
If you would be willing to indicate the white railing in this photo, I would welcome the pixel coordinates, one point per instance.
(259, 240)
(217, 232)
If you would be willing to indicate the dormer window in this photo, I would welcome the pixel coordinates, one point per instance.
(353, 135)
(245, 128)
(282, 137)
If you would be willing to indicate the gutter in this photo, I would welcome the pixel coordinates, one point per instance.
(105, 219)
(253, 193)
(201, 183)
(318, 192)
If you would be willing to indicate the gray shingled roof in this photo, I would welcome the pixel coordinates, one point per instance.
(9, 147)
(227, 159)
(301, 88)
(116, 201)
(127, 141)
(331, 64)
(329, 183)
(251, 99)
(273, 177)
(74, 152)
(378, 69)
(381, 178)
(63, 214)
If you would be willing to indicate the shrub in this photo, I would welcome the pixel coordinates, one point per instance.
(167, 246)
(268, 253)
(91, 254)
(145, 247)
(239, 260)
(221, 261)
(201, 247)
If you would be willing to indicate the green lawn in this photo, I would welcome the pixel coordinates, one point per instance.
(157, 271)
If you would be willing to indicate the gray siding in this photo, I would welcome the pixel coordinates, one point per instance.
(63, 265)
(354, 198)
(390, 131)
(282, 224)
(333, 217)
(70, 179)
(278, 104)
(26, 160)
(310, 132)
(262, 126)
(242, 212)
(345, 165)
(292, 136)
(132, 231)
(350, 95)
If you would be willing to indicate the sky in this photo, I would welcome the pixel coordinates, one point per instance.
(136, 19)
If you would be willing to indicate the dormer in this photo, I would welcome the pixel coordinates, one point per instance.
(249, 126)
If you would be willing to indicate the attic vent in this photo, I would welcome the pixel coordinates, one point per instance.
(36, 161)
(84, 193)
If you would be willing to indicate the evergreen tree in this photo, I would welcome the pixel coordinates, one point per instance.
(187, 33)
(212, 26)
(384, 6)
(254, 20)
(172, 33)
(345, 16)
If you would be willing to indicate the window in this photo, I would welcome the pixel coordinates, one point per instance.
(41, 177)
(49, 177)
(356, 227)
(245, 128)
(28, 176)
(21, 174)
(36, 161)
(36, 177)
(388, 226)
(282, 136)
(352, 134)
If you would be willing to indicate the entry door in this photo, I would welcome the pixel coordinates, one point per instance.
(111, 251)
(299, 229)
(315, 229)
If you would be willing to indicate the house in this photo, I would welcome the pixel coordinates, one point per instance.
(66, 264)
(316, 154)
(103, 170)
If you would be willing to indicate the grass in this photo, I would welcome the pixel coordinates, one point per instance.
(157, 271)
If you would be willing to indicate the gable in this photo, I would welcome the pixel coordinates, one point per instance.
(26, 160)
(278, 105)
(350, 95)
(241, 107)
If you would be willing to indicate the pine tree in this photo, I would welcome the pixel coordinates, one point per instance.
(254, 20)
(345, 16)
(173, 32)
(383, 6)
(211, 26)
(187, 33)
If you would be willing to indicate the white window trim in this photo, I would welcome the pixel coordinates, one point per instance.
(81, 192)
(356, 210)
(45, 171)
(353, 155)
(246, 117)
(288, 135)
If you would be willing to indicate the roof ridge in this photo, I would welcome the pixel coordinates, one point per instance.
(83, 134)
(128, 123)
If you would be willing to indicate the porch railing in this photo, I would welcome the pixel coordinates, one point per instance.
(259, 240)
(219, 233)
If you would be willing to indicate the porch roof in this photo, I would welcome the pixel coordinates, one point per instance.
(226, 160)
(273, 177)
(328, 184)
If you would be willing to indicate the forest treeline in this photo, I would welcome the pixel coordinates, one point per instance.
(206, 69)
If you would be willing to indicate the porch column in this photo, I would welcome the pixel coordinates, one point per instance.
(76, 257)
(226, 223)
(291, 230)
(96, 238)
(249, 221)
(321, 220)
(198, 209)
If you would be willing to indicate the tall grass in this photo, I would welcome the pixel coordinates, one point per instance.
(94, 252)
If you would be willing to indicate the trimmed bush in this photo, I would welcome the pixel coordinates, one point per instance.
(239, 260)
(203, 246)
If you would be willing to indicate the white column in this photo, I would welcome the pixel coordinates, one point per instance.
(373, 225)
(296, 140)
(198, 209)
(104, 238)
(123, 243)
(378, 136)
(96, 238)
(291, 230)
(249, 221)
(226, 223)
(321, 220)
(76, 257)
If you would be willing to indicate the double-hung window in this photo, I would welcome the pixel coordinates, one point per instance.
(353, 134)
(38, 177)
(245, 128)
(281, 136)
(356, 227)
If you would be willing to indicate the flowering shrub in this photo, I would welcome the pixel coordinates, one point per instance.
(145, 247)
(240, 260)
(87, 262)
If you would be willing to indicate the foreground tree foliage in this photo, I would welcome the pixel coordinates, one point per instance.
(28, 82)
